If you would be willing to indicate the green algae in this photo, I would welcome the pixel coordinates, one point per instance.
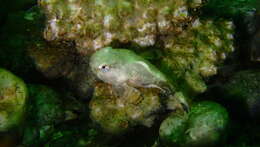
(205, 125)
(44, 110)
(233, 8)
(13, 94)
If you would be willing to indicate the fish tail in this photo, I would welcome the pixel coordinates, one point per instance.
(177, 101)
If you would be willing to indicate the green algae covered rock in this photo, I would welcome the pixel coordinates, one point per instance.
(44, 111)
(118, 114)
(53, 60)
(45, 105)
(13, 96)
(205, 125)
(233, 8)
(208, 123)
(58, 60)
(195, 53)
(173, 128)
(78, 136)
(96, 24)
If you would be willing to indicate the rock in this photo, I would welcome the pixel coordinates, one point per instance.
(13, 97)
(45, 105)
(45, 109)
(94, 25)
(208, 122)
(172, 129)
(196, 53)
(57, 60)
(204, 125)
(241, 94)
(81, 80)
(53, 60)
(119, 114)
(233, 9)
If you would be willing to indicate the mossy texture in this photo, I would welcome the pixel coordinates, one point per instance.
(196, 53)
(243, 91)
(205, 125)
(233, 8)
(95, 24)
(44, 111)
(119, 114)
(13, 96)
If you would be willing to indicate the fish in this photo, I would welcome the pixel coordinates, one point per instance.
(124, 68)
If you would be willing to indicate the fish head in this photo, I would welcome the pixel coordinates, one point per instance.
(105, 64)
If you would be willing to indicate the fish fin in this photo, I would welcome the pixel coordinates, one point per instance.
(118, 90)
(177, 101)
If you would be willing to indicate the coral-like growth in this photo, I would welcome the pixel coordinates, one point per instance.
(95, 24)
(196, 52)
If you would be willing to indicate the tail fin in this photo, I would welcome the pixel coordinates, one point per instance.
(177, 101)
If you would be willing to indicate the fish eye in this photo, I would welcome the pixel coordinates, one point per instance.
(104, 68)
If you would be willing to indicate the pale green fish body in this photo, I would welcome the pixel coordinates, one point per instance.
(121, 67)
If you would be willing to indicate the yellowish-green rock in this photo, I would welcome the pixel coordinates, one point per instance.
(118, 114)
(195, 53)
(13, 95)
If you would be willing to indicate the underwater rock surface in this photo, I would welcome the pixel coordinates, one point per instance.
(241, 93)
(196, 52)
(57, 60)
(188, 47)
(53, 60)
(13, 97)
(95, 24)
(205, 125)
(46, 110)
(118, 114)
